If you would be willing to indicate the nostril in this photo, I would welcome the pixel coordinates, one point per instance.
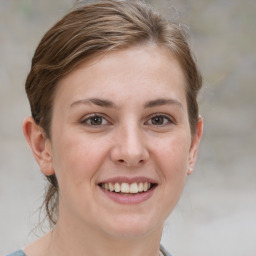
(121, 161)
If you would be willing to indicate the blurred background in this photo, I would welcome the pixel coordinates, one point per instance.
(217, 212)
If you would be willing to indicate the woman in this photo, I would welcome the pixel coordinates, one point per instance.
(114, 128)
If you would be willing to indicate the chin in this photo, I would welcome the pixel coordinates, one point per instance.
(132, 227)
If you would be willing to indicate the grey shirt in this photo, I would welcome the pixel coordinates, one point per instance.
(21, 253)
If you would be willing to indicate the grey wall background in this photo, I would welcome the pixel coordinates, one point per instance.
(217, 212)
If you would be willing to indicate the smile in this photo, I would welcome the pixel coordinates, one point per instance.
(127, 188)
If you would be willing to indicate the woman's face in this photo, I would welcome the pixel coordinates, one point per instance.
(120, 122)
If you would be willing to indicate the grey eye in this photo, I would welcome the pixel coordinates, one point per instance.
(159, 120)
(95, 120)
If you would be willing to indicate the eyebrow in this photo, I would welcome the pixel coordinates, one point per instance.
(110, 104)
(95, 101)
(161, 102)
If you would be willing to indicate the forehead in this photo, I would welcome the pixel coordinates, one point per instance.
(143, 69)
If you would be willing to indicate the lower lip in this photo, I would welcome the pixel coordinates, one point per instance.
(128, 199)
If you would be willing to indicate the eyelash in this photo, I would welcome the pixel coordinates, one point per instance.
(166, 120)
(94, 116)
(103, 121)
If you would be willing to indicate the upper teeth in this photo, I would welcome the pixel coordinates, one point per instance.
(127, 188)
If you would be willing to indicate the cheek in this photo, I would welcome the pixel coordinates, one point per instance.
(171, 161)
(173, 154)
(77, 159)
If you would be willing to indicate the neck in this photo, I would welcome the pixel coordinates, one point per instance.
(65, 240)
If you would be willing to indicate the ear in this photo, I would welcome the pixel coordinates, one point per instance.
(39, 144)
(194, 145)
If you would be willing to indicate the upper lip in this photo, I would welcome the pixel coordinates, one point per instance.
(129, 180)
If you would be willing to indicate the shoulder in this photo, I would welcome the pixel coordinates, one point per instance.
(17, 253)
(164, 251)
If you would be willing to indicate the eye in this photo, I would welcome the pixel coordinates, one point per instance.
(95, 120)
(159, 120)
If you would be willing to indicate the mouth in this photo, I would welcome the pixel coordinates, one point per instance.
(124, 188)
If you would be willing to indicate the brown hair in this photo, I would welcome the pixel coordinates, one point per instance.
(89, 30)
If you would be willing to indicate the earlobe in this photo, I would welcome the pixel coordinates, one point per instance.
(194, 145)
(39, 144)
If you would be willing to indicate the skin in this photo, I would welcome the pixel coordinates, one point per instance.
(142, 130)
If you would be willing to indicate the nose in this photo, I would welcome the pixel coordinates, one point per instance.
(129, 147)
